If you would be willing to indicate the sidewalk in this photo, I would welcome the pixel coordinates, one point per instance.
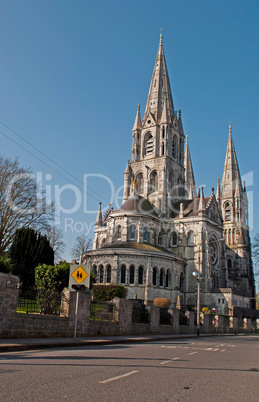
(12, 345)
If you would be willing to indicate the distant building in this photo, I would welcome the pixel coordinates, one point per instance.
(164, 231)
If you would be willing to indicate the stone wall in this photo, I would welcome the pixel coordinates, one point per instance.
(19, 325)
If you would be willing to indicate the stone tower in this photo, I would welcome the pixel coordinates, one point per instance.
(158, 145)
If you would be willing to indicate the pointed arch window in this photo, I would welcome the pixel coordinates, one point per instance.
(148, 145)
(118, 232)
(167, 277)
(101, 274)
(161, 278)
(108, 274)
(174, 239)
(163, 132)
(162, 149)
(190, 239)
(132, 232)
(140, 275)
(132, 275)
(94, 269)
(154, 279)
(145, 235)
(153, 182)
(181, 282)
(160, 239)
(227, 212)
(140, 181)
(123, 274)
(174, 147)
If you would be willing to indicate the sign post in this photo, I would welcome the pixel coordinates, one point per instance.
(79, 280)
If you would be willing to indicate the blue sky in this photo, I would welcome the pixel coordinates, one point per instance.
(73, 72)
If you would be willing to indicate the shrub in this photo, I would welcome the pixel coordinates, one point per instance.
(162, 302)
(108, 292)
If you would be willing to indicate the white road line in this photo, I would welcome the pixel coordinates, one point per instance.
(208, 349)
(223, 350)
(193, 353)
(215, 350)
(118, 377)
(167, 361)
(176, 358)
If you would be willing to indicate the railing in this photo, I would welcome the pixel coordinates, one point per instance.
(102, 311)
(165, 317)
(139, 313)
(43, 301)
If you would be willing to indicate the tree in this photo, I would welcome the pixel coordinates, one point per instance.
(22, 205)
(81, 246)
(55, 237)
(28, 250)
(52, 277)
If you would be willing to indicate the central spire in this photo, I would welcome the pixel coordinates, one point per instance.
(159, 90)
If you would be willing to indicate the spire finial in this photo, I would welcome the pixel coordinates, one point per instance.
(230, 128)
(161, 36)
(138, 107)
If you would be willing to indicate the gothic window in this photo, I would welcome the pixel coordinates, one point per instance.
(145, 235)
(167, 279)
(94, 269)
(229, 237)
(171, 182)
(230, 265)
(140, 275)
(132, 275)
(140, 181)
(154, 276)
(161, 278)
(234, 236)
(102, 243)
(148, 145)
(227, 212)
(153, 182)
(160, 239)
(118, 232)
(213, 251)
(190, 239)
(123, 274)
(108, 273)
(132, 232)
(174, 147)
(162, 149)
(163, 132)
(101, 274)
(174, 239)
(180, 187)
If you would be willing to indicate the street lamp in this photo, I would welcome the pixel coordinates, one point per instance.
(198, 277)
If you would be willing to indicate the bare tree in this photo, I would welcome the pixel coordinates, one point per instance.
(22, 204)
(81, 246)
(55, 237)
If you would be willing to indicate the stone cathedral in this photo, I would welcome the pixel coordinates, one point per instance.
(166, 229)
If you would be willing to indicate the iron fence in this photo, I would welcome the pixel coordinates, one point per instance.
(103, 311)
(139, 312)
(42, 301)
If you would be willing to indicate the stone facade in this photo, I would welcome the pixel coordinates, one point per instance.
(164, 231)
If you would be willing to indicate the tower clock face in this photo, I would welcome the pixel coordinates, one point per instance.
(213, 253)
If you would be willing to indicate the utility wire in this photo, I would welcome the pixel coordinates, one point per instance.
(51, 160)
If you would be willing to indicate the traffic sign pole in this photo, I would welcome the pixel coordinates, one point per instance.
(77, 298)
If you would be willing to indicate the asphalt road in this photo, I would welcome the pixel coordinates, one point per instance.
(198, 369)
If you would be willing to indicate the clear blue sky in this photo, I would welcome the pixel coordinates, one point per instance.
(73, 72)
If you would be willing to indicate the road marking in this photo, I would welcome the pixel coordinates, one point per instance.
(118, 377)
(208, 349)
(167, 361)
(223, 350)
(193, 353)
(215, 350)
(176, 358)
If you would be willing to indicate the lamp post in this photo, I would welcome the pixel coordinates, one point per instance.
(198, 277)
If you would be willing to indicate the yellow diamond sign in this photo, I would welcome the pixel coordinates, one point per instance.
(79, 274)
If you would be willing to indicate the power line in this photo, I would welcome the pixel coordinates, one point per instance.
(51, 160)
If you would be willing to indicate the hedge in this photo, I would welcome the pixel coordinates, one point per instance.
(108, 292)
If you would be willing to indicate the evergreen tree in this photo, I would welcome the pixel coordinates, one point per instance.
(28, 250)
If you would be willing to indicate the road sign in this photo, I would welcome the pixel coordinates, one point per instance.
(79, 275)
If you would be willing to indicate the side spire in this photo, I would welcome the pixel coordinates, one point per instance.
(137, 124)
(189, 175)
(231, 174)
(159, 89)
(99, 219)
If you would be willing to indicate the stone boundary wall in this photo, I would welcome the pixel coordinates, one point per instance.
(22, 325)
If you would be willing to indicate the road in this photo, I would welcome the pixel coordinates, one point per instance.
(224, 368)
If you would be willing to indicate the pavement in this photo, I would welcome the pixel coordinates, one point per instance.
(12, 345)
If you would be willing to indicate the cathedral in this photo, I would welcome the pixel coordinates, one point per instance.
(167, 234)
